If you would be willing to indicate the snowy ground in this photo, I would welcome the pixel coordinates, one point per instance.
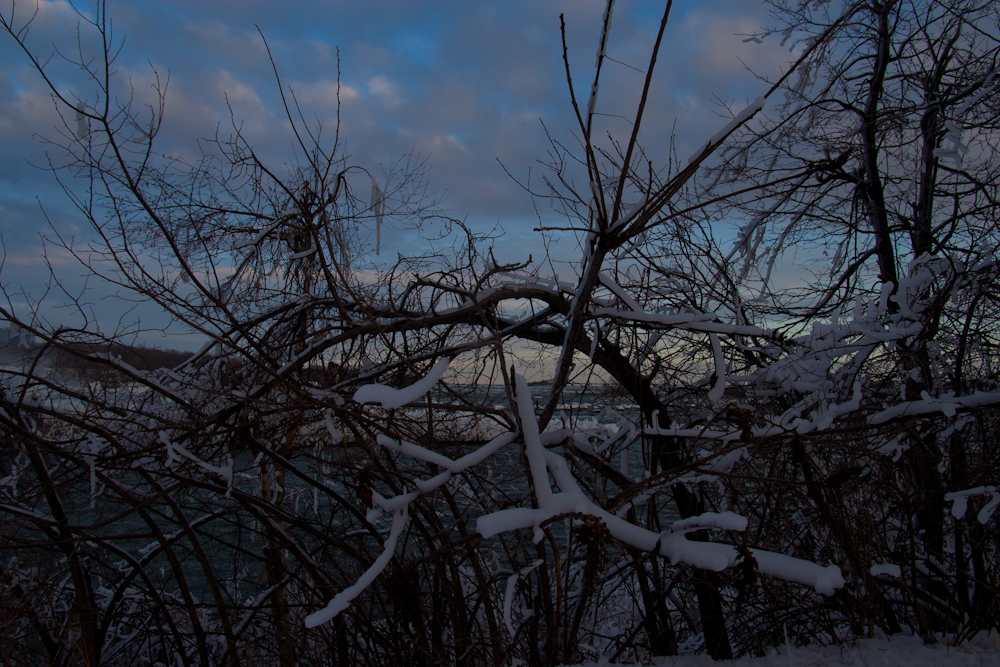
(898, 651)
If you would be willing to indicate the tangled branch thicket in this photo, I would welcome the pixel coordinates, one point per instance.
(353, 470)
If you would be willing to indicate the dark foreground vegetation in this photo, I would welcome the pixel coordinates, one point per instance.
(808, 463)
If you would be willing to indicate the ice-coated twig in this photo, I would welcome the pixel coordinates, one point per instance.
(947, 405)
(391, 398)
(629, 215)
(508, 596)
(706, 149)
(533, 449)
(601, 53)
(253, 604)
(593, 99)
(425, 486)
(610, 283)
(706, 555)
(344, 597)
(687, 321)
(416, 451)
(605, 29)
(960, 502)
(885, 568)
(456, 466)
(282, 218)
(224, 471)
(303, 254)
(626, 435)
(715, 520)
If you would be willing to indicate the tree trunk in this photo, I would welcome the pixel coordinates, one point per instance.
(274, 565)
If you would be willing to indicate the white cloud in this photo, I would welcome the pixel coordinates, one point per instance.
(320, 96)
(238, 92)
(386, 90)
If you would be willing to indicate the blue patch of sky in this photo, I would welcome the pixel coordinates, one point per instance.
(651, 13)
(16, 83)
(420, 47)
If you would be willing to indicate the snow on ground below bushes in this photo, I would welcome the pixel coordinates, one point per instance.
(897, 651)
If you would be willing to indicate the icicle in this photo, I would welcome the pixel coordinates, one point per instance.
(226, 472)
(171, 456)
(720, 369)
(786, 35)
(597, 191)
(378, 206)
(838, 257)
(957, 150)
(93, 479)
(988, 509)
(335, 434)
(378, 226)
(82, 124)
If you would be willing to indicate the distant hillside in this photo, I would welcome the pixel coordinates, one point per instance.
(74, 358)
(139, 357)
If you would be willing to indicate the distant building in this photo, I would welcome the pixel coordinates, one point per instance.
(14, 335)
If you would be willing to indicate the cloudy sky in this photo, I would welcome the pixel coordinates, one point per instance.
(466, 85)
